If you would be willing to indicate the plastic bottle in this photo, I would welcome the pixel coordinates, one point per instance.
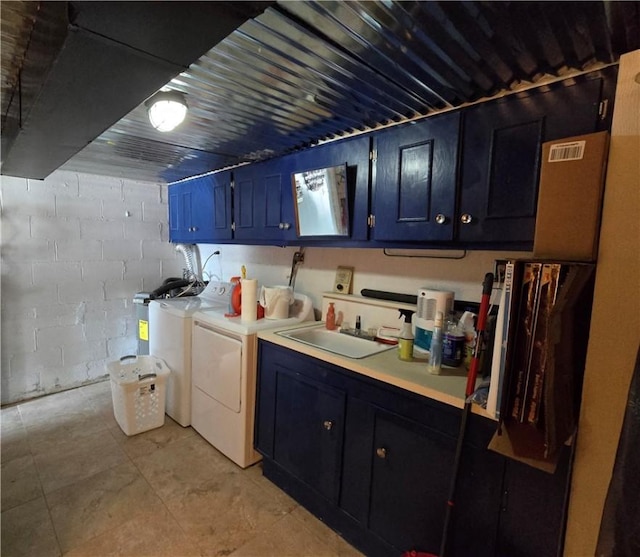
(330, 321)
(405, 339)
(435, 352)
(453, 342)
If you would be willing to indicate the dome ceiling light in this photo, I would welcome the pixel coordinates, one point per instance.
(167, 110)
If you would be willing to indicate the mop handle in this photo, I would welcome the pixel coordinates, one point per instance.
(487, 285)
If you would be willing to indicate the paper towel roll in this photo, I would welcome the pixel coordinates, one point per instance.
(249, 303)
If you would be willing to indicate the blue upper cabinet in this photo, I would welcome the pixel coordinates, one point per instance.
(200, 209)
(355, 154)
(414, 180)
(263, 203)
(501, 156)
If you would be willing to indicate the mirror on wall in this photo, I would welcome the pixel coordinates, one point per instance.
(321, 202)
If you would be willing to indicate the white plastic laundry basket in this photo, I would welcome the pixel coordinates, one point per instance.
(138, 390)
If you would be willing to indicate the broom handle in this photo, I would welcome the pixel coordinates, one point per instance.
(487, 285)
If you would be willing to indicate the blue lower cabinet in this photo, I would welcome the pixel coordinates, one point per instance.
(534, 509)
(374, 462)
(309, 418)
(409, 483)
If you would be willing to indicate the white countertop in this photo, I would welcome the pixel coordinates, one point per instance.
(449, 387)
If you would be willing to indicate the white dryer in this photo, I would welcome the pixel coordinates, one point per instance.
(170, 339)
(224, 369)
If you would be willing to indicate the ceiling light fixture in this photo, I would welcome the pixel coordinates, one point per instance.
(166, 109)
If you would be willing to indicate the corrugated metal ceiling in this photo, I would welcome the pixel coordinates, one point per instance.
(308, 71)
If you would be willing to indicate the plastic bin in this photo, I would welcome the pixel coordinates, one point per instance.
(138, 390)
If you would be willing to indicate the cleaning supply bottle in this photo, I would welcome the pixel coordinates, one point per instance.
(330, 320)
(405, 339)
(435, 352)
(452, 342)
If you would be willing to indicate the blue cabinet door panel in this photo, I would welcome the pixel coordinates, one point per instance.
(414, 183)
(185, 214)
(309, 422)
(244, 195)
(174, 212)
(272, 201)
(263, 207)
(222, 206)
(200, 209)
(414, 180)
(512, 187)
(409, 487)
(500, 168)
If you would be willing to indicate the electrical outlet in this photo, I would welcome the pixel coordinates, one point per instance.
(499, 270)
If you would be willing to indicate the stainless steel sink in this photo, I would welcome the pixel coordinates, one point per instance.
(333, 341)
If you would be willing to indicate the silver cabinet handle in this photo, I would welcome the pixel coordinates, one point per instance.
(327, 424)
(284, 226)
(440, 219)
(381, 452)
(466, 218)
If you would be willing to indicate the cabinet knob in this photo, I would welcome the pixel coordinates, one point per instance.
(284, 226)
(381, 452)
(327, 424)
(281, 226)
(466, 218)
(440, 219)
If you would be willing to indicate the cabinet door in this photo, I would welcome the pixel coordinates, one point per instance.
(191, 210)
(410, 483)
(534, 509)
(477, 503)
(501, 157)
(263, 208)
(309, 423)
(220, 228)
(353, 152)
(179, 212)
(414, 179)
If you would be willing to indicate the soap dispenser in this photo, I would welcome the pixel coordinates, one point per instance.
(405, 340)
(330, 320)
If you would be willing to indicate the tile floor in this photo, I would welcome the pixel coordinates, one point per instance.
(74, 484)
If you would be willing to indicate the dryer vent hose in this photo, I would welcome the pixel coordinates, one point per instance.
(187, 250)
(167, 286)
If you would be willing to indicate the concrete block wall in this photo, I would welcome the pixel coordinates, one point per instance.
(75, 250)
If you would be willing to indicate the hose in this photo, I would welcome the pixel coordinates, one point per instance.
(187, 251)
(180, 283)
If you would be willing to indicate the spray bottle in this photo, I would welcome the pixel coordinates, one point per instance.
(435, 352)
(405, 340)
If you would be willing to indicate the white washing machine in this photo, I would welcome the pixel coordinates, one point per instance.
(224, 369)
(170, 339)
